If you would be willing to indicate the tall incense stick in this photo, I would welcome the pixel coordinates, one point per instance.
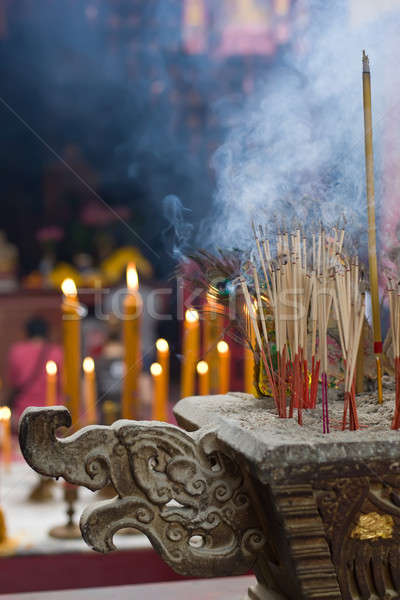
(373, 266)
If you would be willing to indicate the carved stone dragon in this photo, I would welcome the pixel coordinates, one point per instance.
(183, 490)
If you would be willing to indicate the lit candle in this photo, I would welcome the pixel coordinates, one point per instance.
(224, 366)
(159, 412)
(51, 383)
(204, 378)
(213, 325)
(131, 334)
(5, 420)
(190, 351)
(163, 358)
(89, 390)
(72, 349)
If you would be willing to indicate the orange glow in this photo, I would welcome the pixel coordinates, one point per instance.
(156, 369)
(5, 413)
(162, 345)
(51, 367)
(68, 288)
(191, 315)
(222, 347)
(88, 364)
(132, 279)
(202, 367)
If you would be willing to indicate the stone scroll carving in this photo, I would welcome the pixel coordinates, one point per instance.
(182, 490)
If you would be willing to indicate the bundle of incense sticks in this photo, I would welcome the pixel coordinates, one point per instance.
(349, 303)
(300, 297)
(394, 307)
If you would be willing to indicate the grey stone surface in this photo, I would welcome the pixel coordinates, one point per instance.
(251, 427)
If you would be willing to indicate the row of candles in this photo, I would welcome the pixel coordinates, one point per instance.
(195, 375)
(195, 371)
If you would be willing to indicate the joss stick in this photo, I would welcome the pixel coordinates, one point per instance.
(324, 302)
(394, 309)
(349, 309)
(373, 266)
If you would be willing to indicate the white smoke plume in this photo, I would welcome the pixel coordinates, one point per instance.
(295, 150)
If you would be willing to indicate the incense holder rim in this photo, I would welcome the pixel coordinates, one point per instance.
(274, 455)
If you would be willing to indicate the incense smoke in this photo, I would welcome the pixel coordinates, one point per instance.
(295, 151)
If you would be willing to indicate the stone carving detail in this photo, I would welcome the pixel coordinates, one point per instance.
(368, 564)
(183, 490)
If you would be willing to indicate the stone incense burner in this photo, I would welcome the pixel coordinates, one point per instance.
(316, 516)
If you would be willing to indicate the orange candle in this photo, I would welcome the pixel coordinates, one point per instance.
(159, 412)
(224, 366)
(204, 378)
(5, 420)
(163, 358)
(51, 383)
(190, 351)
(72, 349)
(131, 335)
(249, 371)
(249, 360)
(213, 325)
(89, 390)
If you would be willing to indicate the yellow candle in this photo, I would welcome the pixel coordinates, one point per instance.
(190, 351)
(224, 366)
(89, 390)
(249, 371)
(5, 419)
(72, 349)
(213, 325)
(204, 378)
(131, 334)
(248, 374)
(51, 383)
(163, 359)
(159, 401)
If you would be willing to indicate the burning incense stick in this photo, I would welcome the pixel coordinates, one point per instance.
(373, 266)
(349, 303)
(300, 303)
(394, 308)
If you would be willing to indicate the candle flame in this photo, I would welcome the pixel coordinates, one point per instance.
(88, 364)
(202, 367)
(156, 369)
(191, 315)
(5, 413)
(68, 288)
(162, 345)
(132, 279)
(51, 367)
(222, 347)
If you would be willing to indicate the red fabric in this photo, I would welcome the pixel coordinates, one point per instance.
(22, 361)
(44, 572)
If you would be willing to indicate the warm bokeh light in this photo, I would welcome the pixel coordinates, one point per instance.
(202, 367)
(156, 369)
(68, 288)
(191, 315)
(222, 347)
(88, 364)
(162, 345)
(51, 367)
(132, 279)
(5, 413)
